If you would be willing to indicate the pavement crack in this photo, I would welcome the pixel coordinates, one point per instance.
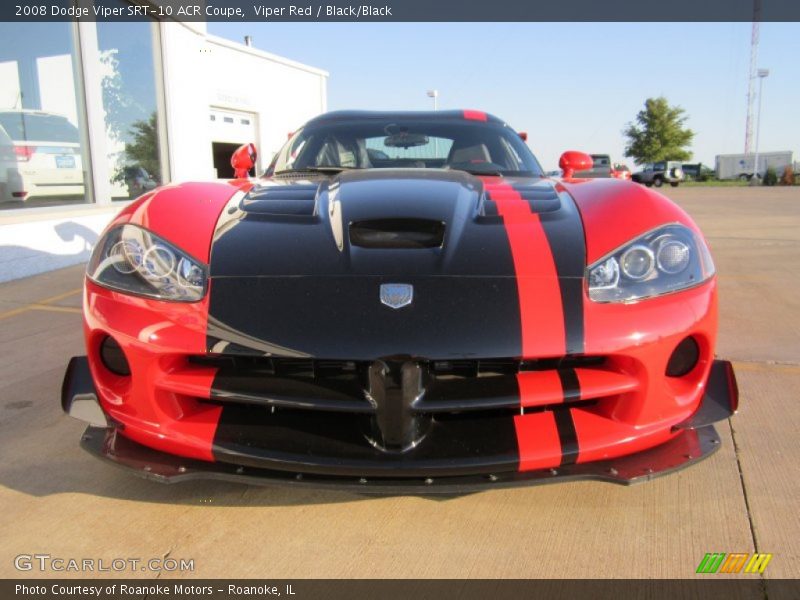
(786, 363)
(750, 523)
(775, 366)
(163, 558)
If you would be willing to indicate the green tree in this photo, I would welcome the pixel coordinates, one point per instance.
(659, 133)
(143, 150)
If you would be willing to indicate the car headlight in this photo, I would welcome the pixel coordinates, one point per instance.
(133, 260)
(664, 260)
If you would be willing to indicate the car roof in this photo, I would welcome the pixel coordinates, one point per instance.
(433, 115)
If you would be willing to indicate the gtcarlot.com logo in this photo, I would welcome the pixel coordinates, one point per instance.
(720, 562)
(46, 562)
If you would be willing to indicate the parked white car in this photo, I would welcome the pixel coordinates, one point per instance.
(40, 155)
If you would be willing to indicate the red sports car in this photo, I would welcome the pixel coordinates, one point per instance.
(401, 302)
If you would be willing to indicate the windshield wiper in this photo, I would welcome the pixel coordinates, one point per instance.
(316, 170)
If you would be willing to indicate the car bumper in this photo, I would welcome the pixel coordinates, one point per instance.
(443, 469)
(23, 186)
(611, 401)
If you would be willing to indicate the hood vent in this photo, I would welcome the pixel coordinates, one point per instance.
(397, 233)
(541, 198)
(281, 201)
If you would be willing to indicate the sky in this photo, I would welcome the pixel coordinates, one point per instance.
(571, 86)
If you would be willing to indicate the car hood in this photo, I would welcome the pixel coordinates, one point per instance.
(297, 267)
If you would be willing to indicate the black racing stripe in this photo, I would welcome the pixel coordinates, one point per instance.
(565, 234)
(570, 385)
(567, 435)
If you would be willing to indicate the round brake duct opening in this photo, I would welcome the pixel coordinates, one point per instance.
(684, 358)
(113, 358)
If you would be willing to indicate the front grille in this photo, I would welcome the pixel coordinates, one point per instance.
(398, 400)
(501, 366)
(348, 386)
(280, 367)
(307, 367)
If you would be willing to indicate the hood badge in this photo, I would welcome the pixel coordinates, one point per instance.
(397, 295)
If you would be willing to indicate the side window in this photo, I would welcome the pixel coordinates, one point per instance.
(299, 152)
(509, 158)
(295, 151)
(601, 161)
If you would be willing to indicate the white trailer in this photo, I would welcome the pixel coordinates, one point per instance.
(740, 166)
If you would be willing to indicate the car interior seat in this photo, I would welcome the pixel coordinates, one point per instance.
(477, 153)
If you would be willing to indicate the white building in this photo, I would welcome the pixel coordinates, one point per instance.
(93, 114)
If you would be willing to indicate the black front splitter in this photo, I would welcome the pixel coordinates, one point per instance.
(687, 448)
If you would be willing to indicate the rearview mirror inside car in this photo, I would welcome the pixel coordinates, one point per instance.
(405, 139)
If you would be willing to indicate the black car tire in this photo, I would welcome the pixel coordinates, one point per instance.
(649, 184)
(658, 181)
(674, 183)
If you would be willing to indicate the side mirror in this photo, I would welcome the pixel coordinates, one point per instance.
(523, 135)
(572, 161)
(243, 160)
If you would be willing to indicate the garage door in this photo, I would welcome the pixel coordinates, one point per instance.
(229, 130)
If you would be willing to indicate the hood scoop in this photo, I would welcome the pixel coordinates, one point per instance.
(397, 233)
(299, 200)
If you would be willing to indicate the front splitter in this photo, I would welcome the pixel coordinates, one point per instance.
(685, 449)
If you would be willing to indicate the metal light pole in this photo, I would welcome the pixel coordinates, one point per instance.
(435, 95)
(762, 74)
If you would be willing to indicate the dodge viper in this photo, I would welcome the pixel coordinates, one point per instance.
(403, 301)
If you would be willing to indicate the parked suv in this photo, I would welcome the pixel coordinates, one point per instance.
(39, 156)
(659, 173)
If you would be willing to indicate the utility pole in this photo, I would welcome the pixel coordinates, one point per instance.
(751, 80)
(762, 73)
(435, 95)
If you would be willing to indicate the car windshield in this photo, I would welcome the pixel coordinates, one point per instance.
(22, 127)
(475, 146)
